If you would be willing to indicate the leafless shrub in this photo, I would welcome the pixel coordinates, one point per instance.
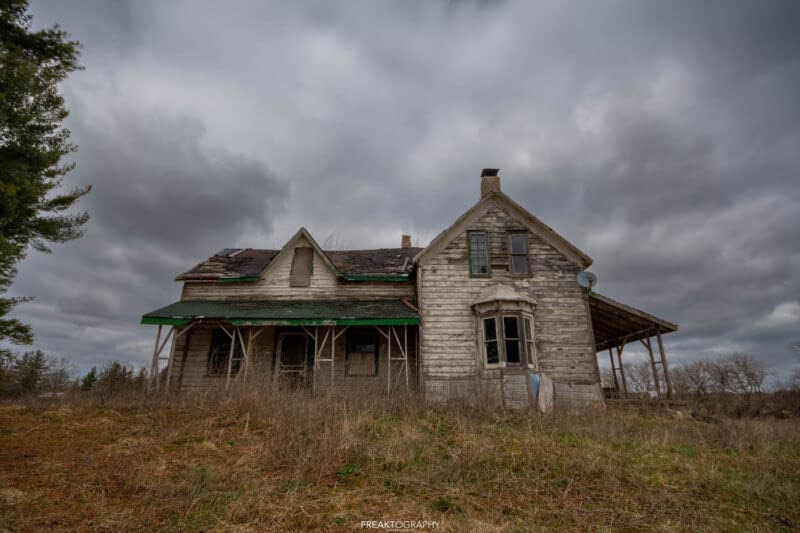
(639, 377)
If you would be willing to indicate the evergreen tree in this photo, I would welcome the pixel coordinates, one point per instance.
(32, 145)
(29, 371)
(89, 381)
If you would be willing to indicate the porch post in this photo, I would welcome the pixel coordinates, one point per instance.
(614, 372)
(405, 353)
(389, 363)
(649, 346)
(154, 363)
(664, 363)
(620, 349)
(316, 363)
(230, 358)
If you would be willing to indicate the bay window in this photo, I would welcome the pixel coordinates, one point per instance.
(508, 340)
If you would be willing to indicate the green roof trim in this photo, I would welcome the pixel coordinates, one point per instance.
(376, 278)
(336, 322)
(287, 312)
(164, 321)
(237, 279)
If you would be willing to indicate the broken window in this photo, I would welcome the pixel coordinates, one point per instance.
(490, 341)
(518, 252)
(512, 339)
(478, 254)
(361, 357)
(302, 266)
(529, 345)
(509, 345)
(219, 353)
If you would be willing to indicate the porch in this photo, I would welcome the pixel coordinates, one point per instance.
(317, 344)
(614, 326)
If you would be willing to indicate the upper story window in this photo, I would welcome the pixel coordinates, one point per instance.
(518, 253)
(478, 254)
(220, 352)
(302, 267)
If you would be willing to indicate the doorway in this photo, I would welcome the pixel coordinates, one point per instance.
(294, 359)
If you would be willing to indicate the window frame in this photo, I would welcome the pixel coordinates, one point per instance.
(512, 254)
(470, 251)
(528, 332)
(527, 346)
(216, 335)
(486, 341)
(517, 339)
(348, 351)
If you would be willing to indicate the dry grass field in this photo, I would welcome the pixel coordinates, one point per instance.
(260, 462)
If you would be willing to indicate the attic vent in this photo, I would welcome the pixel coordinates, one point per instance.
(302, 267)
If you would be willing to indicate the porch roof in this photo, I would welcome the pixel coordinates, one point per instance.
(286, 312)
(616, 324)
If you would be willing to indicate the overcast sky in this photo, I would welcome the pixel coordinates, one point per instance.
(662, 138)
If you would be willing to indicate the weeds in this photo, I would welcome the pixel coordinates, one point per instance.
(259, 460)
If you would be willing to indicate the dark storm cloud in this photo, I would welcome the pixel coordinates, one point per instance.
(659, 137)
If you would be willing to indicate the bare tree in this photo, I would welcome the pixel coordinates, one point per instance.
(744, 376)
(639, 377)
(695, 379)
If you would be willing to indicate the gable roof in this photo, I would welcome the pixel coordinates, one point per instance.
(248, 264)
(542, 230)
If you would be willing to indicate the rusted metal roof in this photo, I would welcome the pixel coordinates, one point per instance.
(238, 263)
(278, 312)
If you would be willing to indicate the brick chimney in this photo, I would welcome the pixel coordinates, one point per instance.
(406, 241)
(490, 181)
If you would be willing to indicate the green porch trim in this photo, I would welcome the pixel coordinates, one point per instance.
(159, 321)
(376, 278)
(326, 322)
(239, 279)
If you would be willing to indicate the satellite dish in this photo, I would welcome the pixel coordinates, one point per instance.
(587, 280)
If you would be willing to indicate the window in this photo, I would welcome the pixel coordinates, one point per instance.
(361, 358)
(302, 265)
(529, 340)
(508, 340)
(478, 254)
(518, 253)
(512, 339)
(219, 352)
(490, 340)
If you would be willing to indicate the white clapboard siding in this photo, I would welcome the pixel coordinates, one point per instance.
(449, 338)
(324, 285)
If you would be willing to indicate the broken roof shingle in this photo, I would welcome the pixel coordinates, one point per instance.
(250, 262)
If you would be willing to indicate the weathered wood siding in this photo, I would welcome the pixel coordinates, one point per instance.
(449, 338)
(324, 285)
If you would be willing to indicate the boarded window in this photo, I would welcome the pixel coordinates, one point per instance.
(478, 254)
(302, 266)
(518, 252)
(490, 340)
(219, 352)
(361, 358)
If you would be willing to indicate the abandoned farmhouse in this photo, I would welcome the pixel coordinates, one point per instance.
(493, 305)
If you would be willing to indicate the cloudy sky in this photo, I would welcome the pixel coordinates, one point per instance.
(663, 138)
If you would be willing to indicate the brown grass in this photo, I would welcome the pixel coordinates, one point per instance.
(260, 461)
